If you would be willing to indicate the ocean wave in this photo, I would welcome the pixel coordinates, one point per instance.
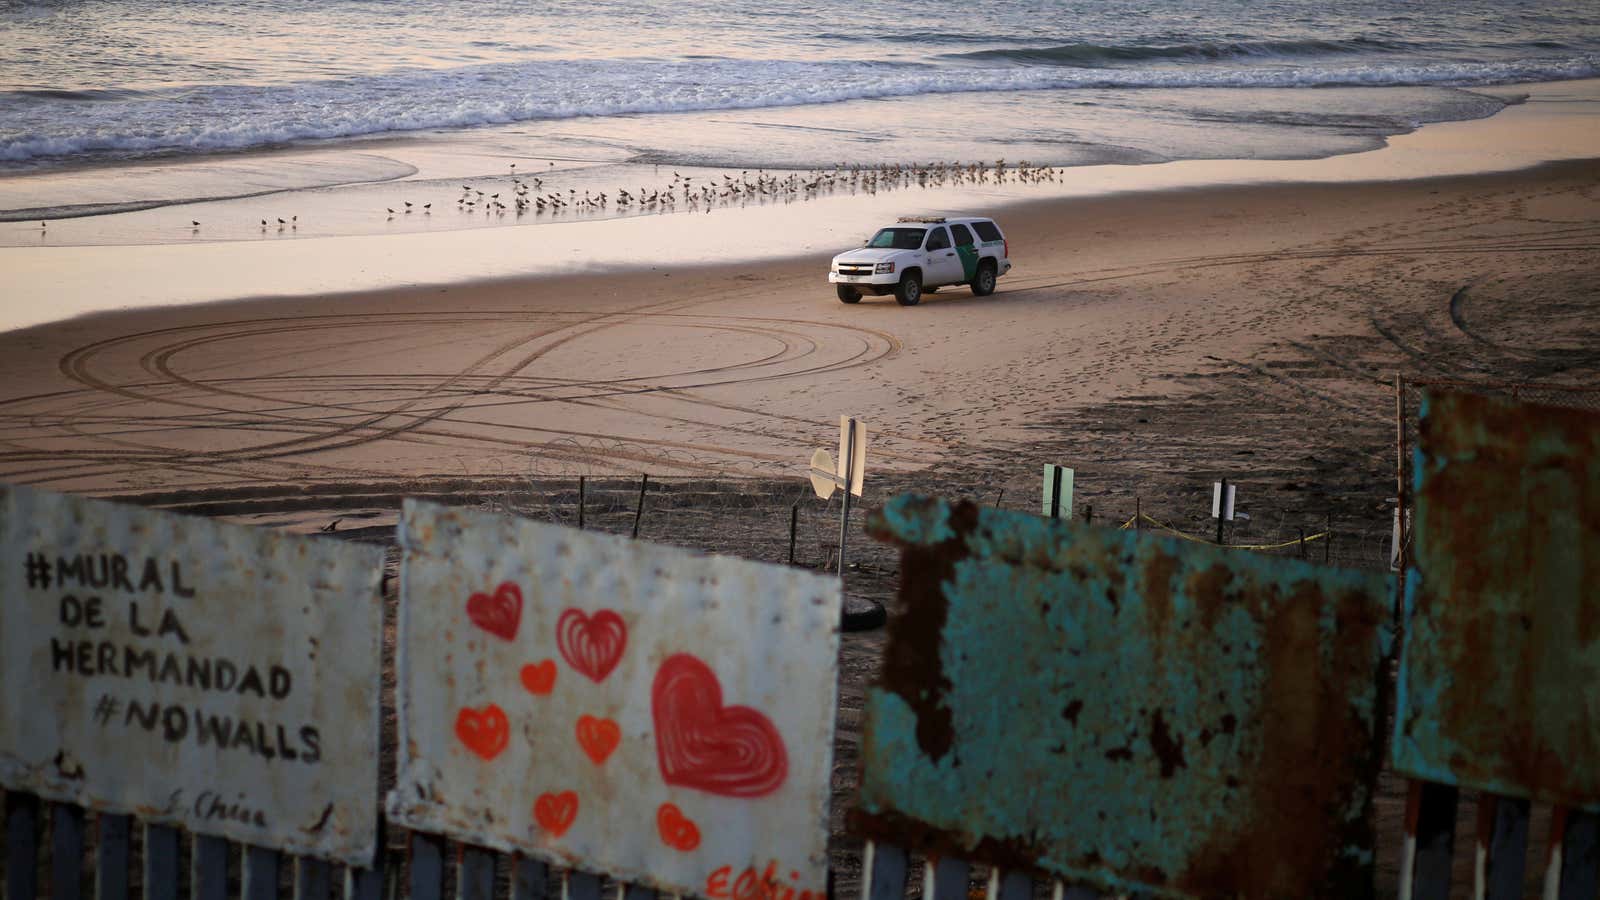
(235, 117)
(1088, 54)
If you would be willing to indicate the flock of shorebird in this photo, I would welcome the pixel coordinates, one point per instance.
(687, 193)
(527, 194)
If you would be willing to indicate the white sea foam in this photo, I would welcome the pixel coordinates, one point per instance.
(205, 118)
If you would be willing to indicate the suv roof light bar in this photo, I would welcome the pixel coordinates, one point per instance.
(926, 219)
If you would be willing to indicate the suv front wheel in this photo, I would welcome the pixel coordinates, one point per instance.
(983, 282)
(909, 291)
(847, 294)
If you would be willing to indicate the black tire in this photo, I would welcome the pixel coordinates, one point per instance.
(983, 283)
(909, 291)
(847, 294)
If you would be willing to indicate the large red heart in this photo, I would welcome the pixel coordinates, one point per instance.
(729, 750)
(592, 645)
(498, 614)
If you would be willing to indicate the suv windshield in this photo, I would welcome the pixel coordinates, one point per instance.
(898, 238)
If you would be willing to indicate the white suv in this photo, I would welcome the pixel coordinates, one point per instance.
(922, 252)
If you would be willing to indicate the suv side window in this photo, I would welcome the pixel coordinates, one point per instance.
(938, 239)
(962, 235)
(987, 231)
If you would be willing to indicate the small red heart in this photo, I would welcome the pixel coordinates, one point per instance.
(485, 732)
(598, 737)
(499, 614)
(556, 812)
(540, 677)
(677, 830)
(592, 645)
(732, 751)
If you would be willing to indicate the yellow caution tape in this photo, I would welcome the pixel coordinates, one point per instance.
(1321, 535)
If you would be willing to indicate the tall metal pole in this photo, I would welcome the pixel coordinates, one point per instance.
(848, 465)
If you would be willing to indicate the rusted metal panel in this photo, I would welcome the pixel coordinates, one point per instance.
(1502, 607)
(189, 672)
(615, 706)
(1125, 711)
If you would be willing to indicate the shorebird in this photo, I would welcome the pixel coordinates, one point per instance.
(263, 223)
(194, 223)
(390, 209)
(427, 206)
(281, 221)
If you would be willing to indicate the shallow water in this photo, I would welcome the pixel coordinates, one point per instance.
(1070, 81)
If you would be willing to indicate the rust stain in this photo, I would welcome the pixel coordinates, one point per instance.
(1500, 605)
(909, 669)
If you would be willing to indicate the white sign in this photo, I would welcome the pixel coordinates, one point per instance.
(216, 677)
(1222, 500)
(629, 709)
(852, 453)
(823, 480)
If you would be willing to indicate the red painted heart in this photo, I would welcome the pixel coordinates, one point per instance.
(485, 732)
(677, 830)
(498, 614)
(733, 751)
(592, 645)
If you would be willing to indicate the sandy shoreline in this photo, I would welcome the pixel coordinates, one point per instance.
(344, 242)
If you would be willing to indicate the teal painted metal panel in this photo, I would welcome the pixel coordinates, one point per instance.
(1126, 711)
(1498, 675)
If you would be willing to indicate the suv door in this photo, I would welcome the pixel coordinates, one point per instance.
(940, 263)
(966, 251)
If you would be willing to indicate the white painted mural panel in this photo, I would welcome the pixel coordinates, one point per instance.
(190, 672)
(659, 716)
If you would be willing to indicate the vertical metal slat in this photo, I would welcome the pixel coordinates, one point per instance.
(1574, 869)
(474, 873)
(111, 857)
(160, 862)
(66, 851)
(527, 879)
(1502, 851)
(22, 845)
(883, 868)
(636, 892)
(310, 879)
(1430, 834)
(1016, 886)
(945, 879)
(1074, 892)
(580, 886)
(208, 868)
(427, 866)
(260, 874)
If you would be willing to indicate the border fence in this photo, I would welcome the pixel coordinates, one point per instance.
(1064, 709)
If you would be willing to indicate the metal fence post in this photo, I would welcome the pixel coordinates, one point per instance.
(66, 851)
(111, 857)
(208, 868)
(22, 845)
(160, 862)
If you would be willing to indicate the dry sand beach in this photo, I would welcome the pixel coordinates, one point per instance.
(1164, 326)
